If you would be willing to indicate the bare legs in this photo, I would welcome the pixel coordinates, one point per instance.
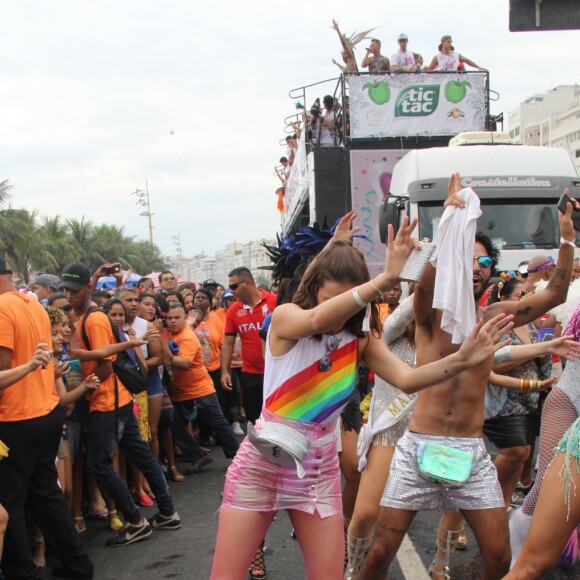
(551, 525)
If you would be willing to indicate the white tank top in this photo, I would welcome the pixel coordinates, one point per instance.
(448, 61)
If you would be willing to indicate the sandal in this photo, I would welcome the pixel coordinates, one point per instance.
(462, 542)
(257, 569)
(115, 523)
(174, 475)
(97, 516)
(80, 524)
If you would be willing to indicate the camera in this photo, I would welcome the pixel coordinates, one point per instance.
(112, 269)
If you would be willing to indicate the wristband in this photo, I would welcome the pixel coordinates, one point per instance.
(357, 298)
(567, 242)
(379, 293)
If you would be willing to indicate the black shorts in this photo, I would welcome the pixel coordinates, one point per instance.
(510, 431)
(351, 415)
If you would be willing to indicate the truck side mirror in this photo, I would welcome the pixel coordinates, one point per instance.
(389, 214)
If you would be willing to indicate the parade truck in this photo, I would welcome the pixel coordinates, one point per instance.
(402, 137)
(518, 187)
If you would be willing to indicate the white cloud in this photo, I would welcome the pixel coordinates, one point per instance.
(91, 90)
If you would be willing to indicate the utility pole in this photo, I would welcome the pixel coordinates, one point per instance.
(144, 200)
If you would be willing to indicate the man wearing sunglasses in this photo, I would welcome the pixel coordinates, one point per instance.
(451, 414)
(245, 318)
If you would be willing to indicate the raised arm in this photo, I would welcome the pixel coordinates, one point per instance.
(396, 322)
(291, 322)
(481, 343)
(532, 307)
(342, 39)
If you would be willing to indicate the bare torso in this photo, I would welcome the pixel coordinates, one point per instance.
(453, 408)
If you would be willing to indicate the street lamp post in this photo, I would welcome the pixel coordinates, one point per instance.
(144, 200)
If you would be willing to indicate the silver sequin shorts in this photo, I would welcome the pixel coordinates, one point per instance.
(406, 488)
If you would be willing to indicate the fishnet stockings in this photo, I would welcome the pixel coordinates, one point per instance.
(557, 415)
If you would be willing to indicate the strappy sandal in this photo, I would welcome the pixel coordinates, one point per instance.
(174, 475)
(462, 542)
(115, 523)
(257, 569)
(80, 524)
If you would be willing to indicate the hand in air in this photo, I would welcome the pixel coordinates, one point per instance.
(399, 247)
(484, 339)
(344, 229)
(453, 189)
(567, 230)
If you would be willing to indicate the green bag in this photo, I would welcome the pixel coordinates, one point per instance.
(443, 464)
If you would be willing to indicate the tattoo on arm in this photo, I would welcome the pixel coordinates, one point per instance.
(392, 530)
(524, 311)
(556, 279)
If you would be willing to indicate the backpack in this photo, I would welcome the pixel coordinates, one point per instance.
(126, 366)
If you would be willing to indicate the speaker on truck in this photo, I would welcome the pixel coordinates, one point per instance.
(331, 184)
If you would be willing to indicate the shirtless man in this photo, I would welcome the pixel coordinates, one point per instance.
(453, 413)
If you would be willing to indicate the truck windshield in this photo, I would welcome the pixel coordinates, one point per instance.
(525, 225)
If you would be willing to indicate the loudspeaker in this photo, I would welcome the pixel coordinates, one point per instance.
(331, 184)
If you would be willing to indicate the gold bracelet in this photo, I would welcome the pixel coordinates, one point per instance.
(379, 293)
(521, 384)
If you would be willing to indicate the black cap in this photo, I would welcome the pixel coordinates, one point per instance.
(75, 276)
(209, 282)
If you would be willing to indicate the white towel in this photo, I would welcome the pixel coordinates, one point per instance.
(453, 258)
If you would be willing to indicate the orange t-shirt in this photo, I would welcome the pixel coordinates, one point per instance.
(100, 334)
(211, 337)
(23, 324)
(221, 314)
(195, 381)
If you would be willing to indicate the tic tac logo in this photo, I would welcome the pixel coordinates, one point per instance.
(417, 101)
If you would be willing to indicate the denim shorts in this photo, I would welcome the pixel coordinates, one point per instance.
(154, 385)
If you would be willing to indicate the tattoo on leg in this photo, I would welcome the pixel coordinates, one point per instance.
(389, 529)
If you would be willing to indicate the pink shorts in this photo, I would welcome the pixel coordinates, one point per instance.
(255, 483)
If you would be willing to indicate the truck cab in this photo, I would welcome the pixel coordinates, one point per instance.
(519, 188)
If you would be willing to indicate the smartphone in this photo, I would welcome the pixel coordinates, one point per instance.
(562, 205)
(75, 365)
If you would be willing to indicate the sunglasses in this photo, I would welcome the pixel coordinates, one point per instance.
(325, 363)
(235, 286)
(484, 261)
(66, 308)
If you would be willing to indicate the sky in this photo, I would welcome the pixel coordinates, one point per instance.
(91, 91)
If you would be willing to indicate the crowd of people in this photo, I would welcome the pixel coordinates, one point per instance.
(324, 125)
(101, 393)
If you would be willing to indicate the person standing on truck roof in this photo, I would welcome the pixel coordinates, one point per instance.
(449, 60)
(374, 60)
(451, 415)
(403, 60)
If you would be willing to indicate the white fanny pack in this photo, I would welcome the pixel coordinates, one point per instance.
(284, 445)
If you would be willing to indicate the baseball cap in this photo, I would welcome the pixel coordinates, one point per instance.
(228, 294)
(445, 37)
(403, 36)
(209, 282)
(49, 280)
(75, 276)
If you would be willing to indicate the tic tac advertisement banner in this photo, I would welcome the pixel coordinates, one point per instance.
(297, 183)
(419, 104)
(370, 173)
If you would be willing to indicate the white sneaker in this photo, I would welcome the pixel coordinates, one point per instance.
(237, 428)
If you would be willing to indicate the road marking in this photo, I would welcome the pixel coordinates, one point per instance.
(410, 562)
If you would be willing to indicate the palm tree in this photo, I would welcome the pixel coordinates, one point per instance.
(58, 241)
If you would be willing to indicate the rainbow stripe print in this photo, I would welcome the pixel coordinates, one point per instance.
(312, 395)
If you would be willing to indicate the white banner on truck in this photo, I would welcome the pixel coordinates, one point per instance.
(418, 104)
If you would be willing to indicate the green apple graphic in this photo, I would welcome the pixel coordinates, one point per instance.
(455, 91)
(379, 93)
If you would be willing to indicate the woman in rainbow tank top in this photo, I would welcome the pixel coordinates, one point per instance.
(290, 461)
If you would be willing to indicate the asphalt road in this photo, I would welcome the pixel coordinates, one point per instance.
(187, 553)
